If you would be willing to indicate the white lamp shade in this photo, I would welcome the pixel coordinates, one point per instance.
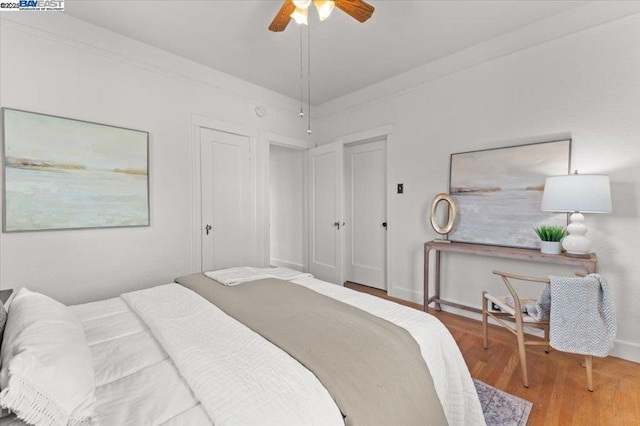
(577, 193)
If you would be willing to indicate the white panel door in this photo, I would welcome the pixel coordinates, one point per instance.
(325, 209)
(365, 208)
(227, 200)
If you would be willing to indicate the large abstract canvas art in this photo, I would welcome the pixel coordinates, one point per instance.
(498, 192)
(61, 173)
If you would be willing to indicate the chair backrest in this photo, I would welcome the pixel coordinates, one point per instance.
(505, 278)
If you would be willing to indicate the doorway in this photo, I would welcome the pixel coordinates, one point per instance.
(287, 212)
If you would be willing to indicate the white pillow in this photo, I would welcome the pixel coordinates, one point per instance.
(47, 374)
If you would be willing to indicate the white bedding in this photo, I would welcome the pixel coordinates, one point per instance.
(243, 274)
(136, 381)
(240, 378)
(139, 384)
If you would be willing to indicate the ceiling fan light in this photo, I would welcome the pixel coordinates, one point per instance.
(302, 4)
(300, 16)
(324, 7)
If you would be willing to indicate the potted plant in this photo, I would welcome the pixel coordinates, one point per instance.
(550, 236)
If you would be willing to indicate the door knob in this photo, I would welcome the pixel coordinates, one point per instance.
(207, 228)
(384, 225)
(337, 225)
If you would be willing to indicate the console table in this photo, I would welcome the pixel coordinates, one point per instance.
(590, 264)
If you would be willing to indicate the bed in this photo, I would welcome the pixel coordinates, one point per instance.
(167, 356)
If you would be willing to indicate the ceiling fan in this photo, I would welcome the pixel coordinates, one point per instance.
(297, 9)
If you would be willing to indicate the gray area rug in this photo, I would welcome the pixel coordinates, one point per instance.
(501, 408)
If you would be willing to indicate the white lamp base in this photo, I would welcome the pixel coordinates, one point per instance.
(576, 244)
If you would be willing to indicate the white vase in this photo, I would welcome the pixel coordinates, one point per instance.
(550, 247)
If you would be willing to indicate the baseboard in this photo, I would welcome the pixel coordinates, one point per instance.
(406, 294)
(285, 264)
(626, 350)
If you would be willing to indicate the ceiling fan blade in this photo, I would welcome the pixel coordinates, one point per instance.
(358, 9)
(283, 17)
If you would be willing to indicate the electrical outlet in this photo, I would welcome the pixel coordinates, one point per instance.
(401, 188)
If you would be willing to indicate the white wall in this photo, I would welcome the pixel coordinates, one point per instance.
(585, 85)
(58, 65)
(286, 179)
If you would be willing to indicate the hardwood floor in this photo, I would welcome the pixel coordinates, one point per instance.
(557, 382)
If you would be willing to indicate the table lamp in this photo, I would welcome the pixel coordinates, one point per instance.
(577, 194)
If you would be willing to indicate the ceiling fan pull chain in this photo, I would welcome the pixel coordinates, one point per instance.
(309, 74)
(301, 75)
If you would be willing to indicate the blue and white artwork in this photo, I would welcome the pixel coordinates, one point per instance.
(498, 192)
(61, 173)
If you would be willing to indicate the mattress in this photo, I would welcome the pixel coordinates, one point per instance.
(139, 384)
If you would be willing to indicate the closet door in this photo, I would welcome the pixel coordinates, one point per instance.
(366, 214)
(227, 200)
(325, 212)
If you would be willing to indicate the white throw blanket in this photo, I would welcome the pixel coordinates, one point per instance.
(240, 378)
(243, 274)
(583, 319)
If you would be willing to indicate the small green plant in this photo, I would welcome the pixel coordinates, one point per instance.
(550, 233)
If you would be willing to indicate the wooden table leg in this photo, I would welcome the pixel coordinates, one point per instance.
(436, 292)
(426, 278)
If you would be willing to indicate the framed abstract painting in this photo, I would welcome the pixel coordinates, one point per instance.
(498, 192)
(61, 173)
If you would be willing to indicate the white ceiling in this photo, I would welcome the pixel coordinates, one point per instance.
(232, 36)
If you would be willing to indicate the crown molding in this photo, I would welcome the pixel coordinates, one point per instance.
(73, 32)
(586, 17)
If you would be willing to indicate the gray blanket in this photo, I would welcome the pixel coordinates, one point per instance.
(372, 368)
(583, 318)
